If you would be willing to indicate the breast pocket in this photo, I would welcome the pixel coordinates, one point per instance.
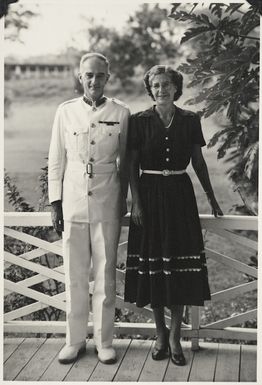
(77, 139)
(109, 139)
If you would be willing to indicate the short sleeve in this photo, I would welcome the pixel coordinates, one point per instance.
(133, 138)
(197, 134)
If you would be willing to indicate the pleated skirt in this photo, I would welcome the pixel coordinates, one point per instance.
(166, 262)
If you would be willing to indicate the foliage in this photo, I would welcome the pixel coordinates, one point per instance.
(153, 35)
(16, 273)
(147, 39)
(225, 68)
(14, 197)
(16, 20)
(4, 6)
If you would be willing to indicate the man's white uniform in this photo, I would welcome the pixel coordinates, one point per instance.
(86, 160)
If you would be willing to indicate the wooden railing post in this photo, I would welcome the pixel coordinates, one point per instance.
(195, 315)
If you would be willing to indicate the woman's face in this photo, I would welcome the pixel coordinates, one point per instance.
(163, 89)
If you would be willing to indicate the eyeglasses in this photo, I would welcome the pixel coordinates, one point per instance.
(164, 85)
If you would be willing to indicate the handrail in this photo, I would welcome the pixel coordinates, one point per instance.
(14, 218)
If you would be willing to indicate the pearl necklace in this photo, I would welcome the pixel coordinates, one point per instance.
(171, 120)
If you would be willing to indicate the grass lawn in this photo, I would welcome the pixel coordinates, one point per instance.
(27, 136)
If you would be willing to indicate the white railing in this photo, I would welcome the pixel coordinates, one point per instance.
(224, 328)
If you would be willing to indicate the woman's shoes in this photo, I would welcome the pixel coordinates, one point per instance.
(161, 353)
(178, 359)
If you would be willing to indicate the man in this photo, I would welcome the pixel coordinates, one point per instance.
(87, 190)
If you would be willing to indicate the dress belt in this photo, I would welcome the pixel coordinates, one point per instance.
(164, 172)
(90, 168)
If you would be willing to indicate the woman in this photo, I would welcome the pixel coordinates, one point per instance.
(166, 264)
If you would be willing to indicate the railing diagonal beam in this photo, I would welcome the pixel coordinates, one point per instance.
(52, 248)
(36, 295)
(38, 278)
(228, 234)
(231, 321)
(234, 291)
(36, 253)
(145, 311)
(48, 273)
(240, 266)
(32, 308)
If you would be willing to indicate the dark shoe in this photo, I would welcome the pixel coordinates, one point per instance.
(178, 359)
(161, 353)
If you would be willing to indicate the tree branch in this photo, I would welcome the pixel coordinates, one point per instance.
(250, 37)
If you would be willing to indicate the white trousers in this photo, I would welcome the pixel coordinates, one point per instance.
(81, 243)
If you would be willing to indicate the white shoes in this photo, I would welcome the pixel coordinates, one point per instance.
(106, 355)
(70, 353)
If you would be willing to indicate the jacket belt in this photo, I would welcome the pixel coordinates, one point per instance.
(164, 172)
(90, 168)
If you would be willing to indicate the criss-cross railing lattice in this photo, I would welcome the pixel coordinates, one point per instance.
(226, 227)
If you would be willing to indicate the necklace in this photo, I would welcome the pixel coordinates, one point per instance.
(167, 123)
(170, 122)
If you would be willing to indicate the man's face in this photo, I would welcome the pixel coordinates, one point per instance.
(93, 76)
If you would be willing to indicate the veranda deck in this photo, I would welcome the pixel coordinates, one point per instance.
(35, 359)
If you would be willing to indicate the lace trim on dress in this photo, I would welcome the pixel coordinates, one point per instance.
(165, 259)
(152, 272)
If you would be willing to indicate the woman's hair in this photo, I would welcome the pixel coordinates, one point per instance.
(175, 76)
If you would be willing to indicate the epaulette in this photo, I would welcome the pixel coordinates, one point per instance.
(117, 101)
(69, 101)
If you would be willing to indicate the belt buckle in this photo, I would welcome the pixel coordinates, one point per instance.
(166, 172)
(89, 169)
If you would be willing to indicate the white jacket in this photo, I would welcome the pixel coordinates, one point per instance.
(82, 134)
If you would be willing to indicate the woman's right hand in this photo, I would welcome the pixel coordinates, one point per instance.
(137, 214)
(216, 210)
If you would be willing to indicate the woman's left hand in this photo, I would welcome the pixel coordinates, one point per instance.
(216, 210)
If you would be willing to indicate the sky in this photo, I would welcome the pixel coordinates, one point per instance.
(60, 22)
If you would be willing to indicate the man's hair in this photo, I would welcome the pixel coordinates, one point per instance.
(89, 55)
(175, 77)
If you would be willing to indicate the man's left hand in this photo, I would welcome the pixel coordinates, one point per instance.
(57, 217)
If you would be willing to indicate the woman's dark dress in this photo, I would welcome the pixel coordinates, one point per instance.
(166, 263)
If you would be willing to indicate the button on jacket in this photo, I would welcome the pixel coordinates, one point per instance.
(82, 135)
